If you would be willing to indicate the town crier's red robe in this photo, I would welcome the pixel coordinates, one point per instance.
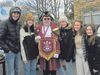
(48, 46)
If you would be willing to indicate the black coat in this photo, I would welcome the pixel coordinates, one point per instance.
(9, 36)
(93, 52)
(30, 46)
(66, 44)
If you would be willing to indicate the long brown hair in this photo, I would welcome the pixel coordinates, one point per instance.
(91, 39)
(81, 31)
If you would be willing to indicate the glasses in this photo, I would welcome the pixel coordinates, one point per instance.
(46, 18)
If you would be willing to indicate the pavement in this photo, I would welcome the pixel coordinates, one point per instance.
(21, 70)
(39, 72)
(1, 69)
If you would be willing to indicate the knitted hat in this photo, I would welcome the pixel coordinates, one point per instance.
(15, 9)
(63, 18)
(29, 16)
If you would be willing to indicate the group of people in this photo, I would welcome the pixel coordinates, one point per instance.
(55, 47)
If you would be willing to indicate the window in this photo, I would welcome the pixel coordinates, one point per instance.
(96, 17)
(89, 0)
(92, 16)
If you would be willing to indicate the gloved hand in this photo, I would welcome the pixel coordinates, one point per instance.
(37, 38)
(56, 55)
(95, 70)
(25, 62)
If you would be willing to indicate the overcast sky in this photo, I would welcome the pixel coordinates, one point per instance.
(7, 8)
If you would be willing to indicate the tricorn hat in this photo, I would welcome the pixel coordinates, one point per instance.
(46, 14)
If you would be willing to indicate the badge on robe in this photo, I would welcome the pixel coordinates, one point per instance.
(47, 47)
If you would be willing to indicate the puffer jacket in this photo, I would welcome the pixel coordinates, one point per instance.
(9, 36)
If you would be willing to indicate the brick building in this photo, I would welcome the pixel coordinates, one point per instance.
(88, 11)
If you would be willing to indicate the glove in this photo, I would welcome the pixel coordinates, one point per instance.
(56, 55)
(25, 62)
(37, 38)
(94, 70)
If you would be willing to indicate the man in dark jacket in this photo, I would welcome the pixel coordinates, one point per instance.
(9, 41)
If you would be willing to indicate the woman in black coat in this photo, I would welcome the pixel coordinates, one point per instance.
(66, 46)
(93, 49)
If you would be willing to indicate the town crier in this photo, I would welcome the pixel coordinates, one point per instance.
(49, 48)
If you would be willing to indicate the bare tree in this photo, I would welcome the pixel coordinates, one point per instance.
(43, 5)
(69, 8)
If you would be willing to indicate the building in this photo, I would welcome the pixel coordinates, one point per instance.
(88, 11)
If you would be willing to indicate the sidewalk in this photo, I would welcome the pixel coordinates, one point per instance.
(22, 71)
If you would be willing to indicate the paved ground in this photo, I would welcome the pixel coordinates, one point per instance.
(21, 70)
(0, 69)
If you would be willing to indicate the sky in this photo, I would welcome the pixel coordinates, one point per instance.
(62, 7)
(1, 0)
(4, 11)
(5, 0)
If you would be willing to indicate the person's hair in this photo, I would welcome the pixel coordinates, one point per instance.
(81, 31)
(91, 39)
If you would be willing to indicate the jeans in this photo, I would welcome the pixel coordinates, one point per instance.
(12, 62)
(30, 67)
(68, 70)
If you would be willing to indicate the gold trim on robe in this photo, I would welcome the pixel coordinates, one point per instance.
(47, 47)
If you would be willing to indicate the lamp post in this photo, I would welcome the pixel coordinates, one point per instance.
(15, 2)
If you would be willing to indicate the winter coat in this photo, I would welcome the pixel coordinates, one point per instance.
(29, 48)
(66, 44)
(94, 53)
(9, 36)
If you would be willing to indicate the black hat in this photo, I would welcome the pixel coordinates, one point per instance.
(46, 14)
